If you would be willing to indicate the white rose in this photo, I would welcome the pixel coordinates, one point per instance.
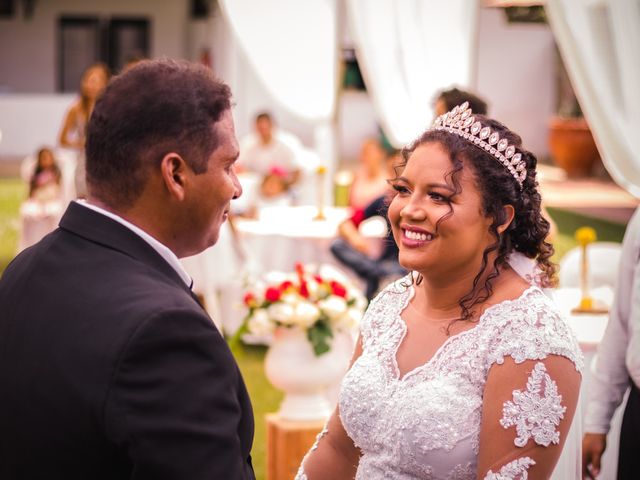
(260, 324)
(313, 288)
(333, 306)
(291, 298)
(281, 312)
(306, 314)
(351, 318)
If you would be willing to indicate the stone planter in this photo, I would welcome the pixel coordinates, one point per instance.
(292, 366)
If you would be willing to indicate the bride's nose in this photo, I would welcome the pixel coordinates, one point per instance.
(413, 210)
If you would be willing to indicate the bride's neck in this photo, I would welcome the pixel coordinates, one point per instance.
(440, 297)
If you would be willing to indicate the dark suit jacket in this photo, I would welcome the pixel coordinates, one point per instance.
(110, 369)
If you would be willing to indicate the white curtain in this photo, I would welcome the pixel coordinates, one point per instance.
(600, 44)
(292, 45)
(407, 51)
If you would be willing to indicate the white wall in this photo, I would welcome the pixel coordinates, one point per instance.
(30, 121)
(515, 73)
(28, 47)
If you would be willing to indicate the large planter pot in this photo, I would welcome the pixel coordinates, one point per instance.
(292, 367)
(572, 146)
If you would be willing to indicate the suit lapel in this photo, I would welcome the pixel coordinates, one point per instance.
(105, 231)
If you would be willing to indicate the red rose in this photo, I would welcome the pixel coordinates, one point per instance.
(304, 290)
(249, 299)
(284, 285)
(272, 294)
(338, 289)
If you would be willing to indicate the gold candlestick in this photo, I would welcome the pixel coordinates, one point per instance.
(320, 173)
(585, 236)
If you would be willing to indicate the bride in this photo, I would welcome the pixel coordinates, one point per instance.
(463, 369)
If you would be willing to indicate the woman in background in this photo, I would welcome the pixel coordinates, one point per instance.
(72, 134)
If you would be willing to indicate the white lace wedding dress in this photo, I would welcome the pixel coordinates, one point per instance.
(426, 425)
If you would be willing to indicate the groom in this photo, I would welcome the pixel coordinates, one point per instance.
(109, 367)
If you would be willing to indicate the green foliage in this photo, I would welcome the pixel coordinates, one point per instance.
(319, 335)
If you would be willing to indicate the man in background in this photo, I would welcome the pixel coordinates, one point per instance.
(617, 368)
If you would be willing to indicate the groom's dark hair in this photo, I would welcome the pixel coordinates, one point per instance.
(156, 107)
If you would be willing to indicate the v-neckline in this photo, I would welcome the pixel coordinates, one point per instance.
(404, 329)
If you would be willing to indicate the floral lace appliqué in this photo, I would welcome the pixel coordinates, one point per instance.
(516, 470)
(535, 412)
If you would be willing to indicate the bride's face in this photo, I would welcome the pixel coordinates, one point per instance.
(438, 232)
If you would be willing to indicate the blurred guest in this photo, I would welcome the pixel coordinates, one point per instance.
(616, 368)
(357, 252)
(263, 151)
(45, 181)
(73, 132)
(274, 189)
(370, 178)
(40, 213)
(447, 99)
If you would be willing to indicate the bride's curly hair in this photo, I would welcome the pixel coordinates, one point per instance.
(527, 231)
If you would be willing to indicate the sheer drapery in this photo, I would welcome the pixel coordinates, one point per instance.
(599, 41)
(409, 50)
(293, 47)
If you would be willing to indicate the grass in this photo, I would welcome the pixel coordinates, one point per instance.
(12, 193)
(568, 222)
(264, 397)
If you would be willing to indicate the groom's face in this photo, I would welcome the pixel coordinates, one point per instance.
(210, 193)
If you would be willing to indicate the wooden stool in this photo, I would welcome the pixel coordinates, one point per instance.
(287, 444)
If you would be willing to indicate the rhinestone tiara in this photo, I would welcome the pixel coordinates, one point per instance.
(460, 121)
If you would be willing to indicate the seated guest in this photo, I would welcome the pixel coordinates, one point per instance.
(265, 150)
(45, 181)
(356, 252)
(370, 178)
(40, 213)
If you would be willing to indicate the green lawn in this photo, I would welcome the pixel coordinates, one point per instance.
(250, 358)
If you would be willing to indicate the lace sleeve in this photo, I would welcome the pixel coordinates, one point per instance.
(527, 410)
(532, 329)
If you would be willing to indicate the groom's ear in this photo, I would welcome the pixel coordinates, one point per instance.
(173, 170)
(509, 212)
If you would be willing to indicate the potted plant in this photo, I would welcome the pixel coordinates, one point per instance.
(571, 143)
(310, 314)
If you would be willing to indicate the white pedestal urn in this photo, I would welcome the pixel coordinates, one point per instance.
(292, 366)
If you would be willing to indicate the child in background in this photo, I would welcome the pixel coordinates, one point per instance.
(40, 213)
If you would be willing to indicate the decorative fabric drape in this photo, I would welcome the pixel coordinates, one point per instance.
(407, 51)
(599, 41)
(293, 47)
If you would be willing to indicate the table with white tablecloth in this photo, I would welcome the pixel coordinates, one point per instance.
(276, 240)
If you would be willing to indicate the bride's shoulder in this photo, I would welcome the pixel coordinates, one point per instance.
(387, 304)
(531, 327)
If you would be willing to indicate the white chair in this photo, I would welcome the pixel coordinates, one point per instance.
(603, 262)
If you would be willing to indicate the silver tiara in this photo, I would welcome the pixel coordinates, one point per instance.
(461, 122)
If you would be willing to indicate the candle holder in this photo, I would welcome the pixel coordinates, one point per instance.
(585, 236)
(321, 171)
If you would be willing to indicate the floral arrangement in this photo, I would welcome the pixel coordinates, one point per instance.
(316, 301)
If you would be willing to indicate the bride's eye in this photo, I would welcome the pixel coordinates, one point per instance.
(438, 197)
(401, 189)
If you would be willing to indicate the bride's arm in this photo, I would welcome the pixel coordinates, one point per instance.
(333, 455)
(526, 414)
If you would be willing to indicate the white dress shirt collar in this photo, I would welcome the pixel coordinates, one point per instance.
(162, 250)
